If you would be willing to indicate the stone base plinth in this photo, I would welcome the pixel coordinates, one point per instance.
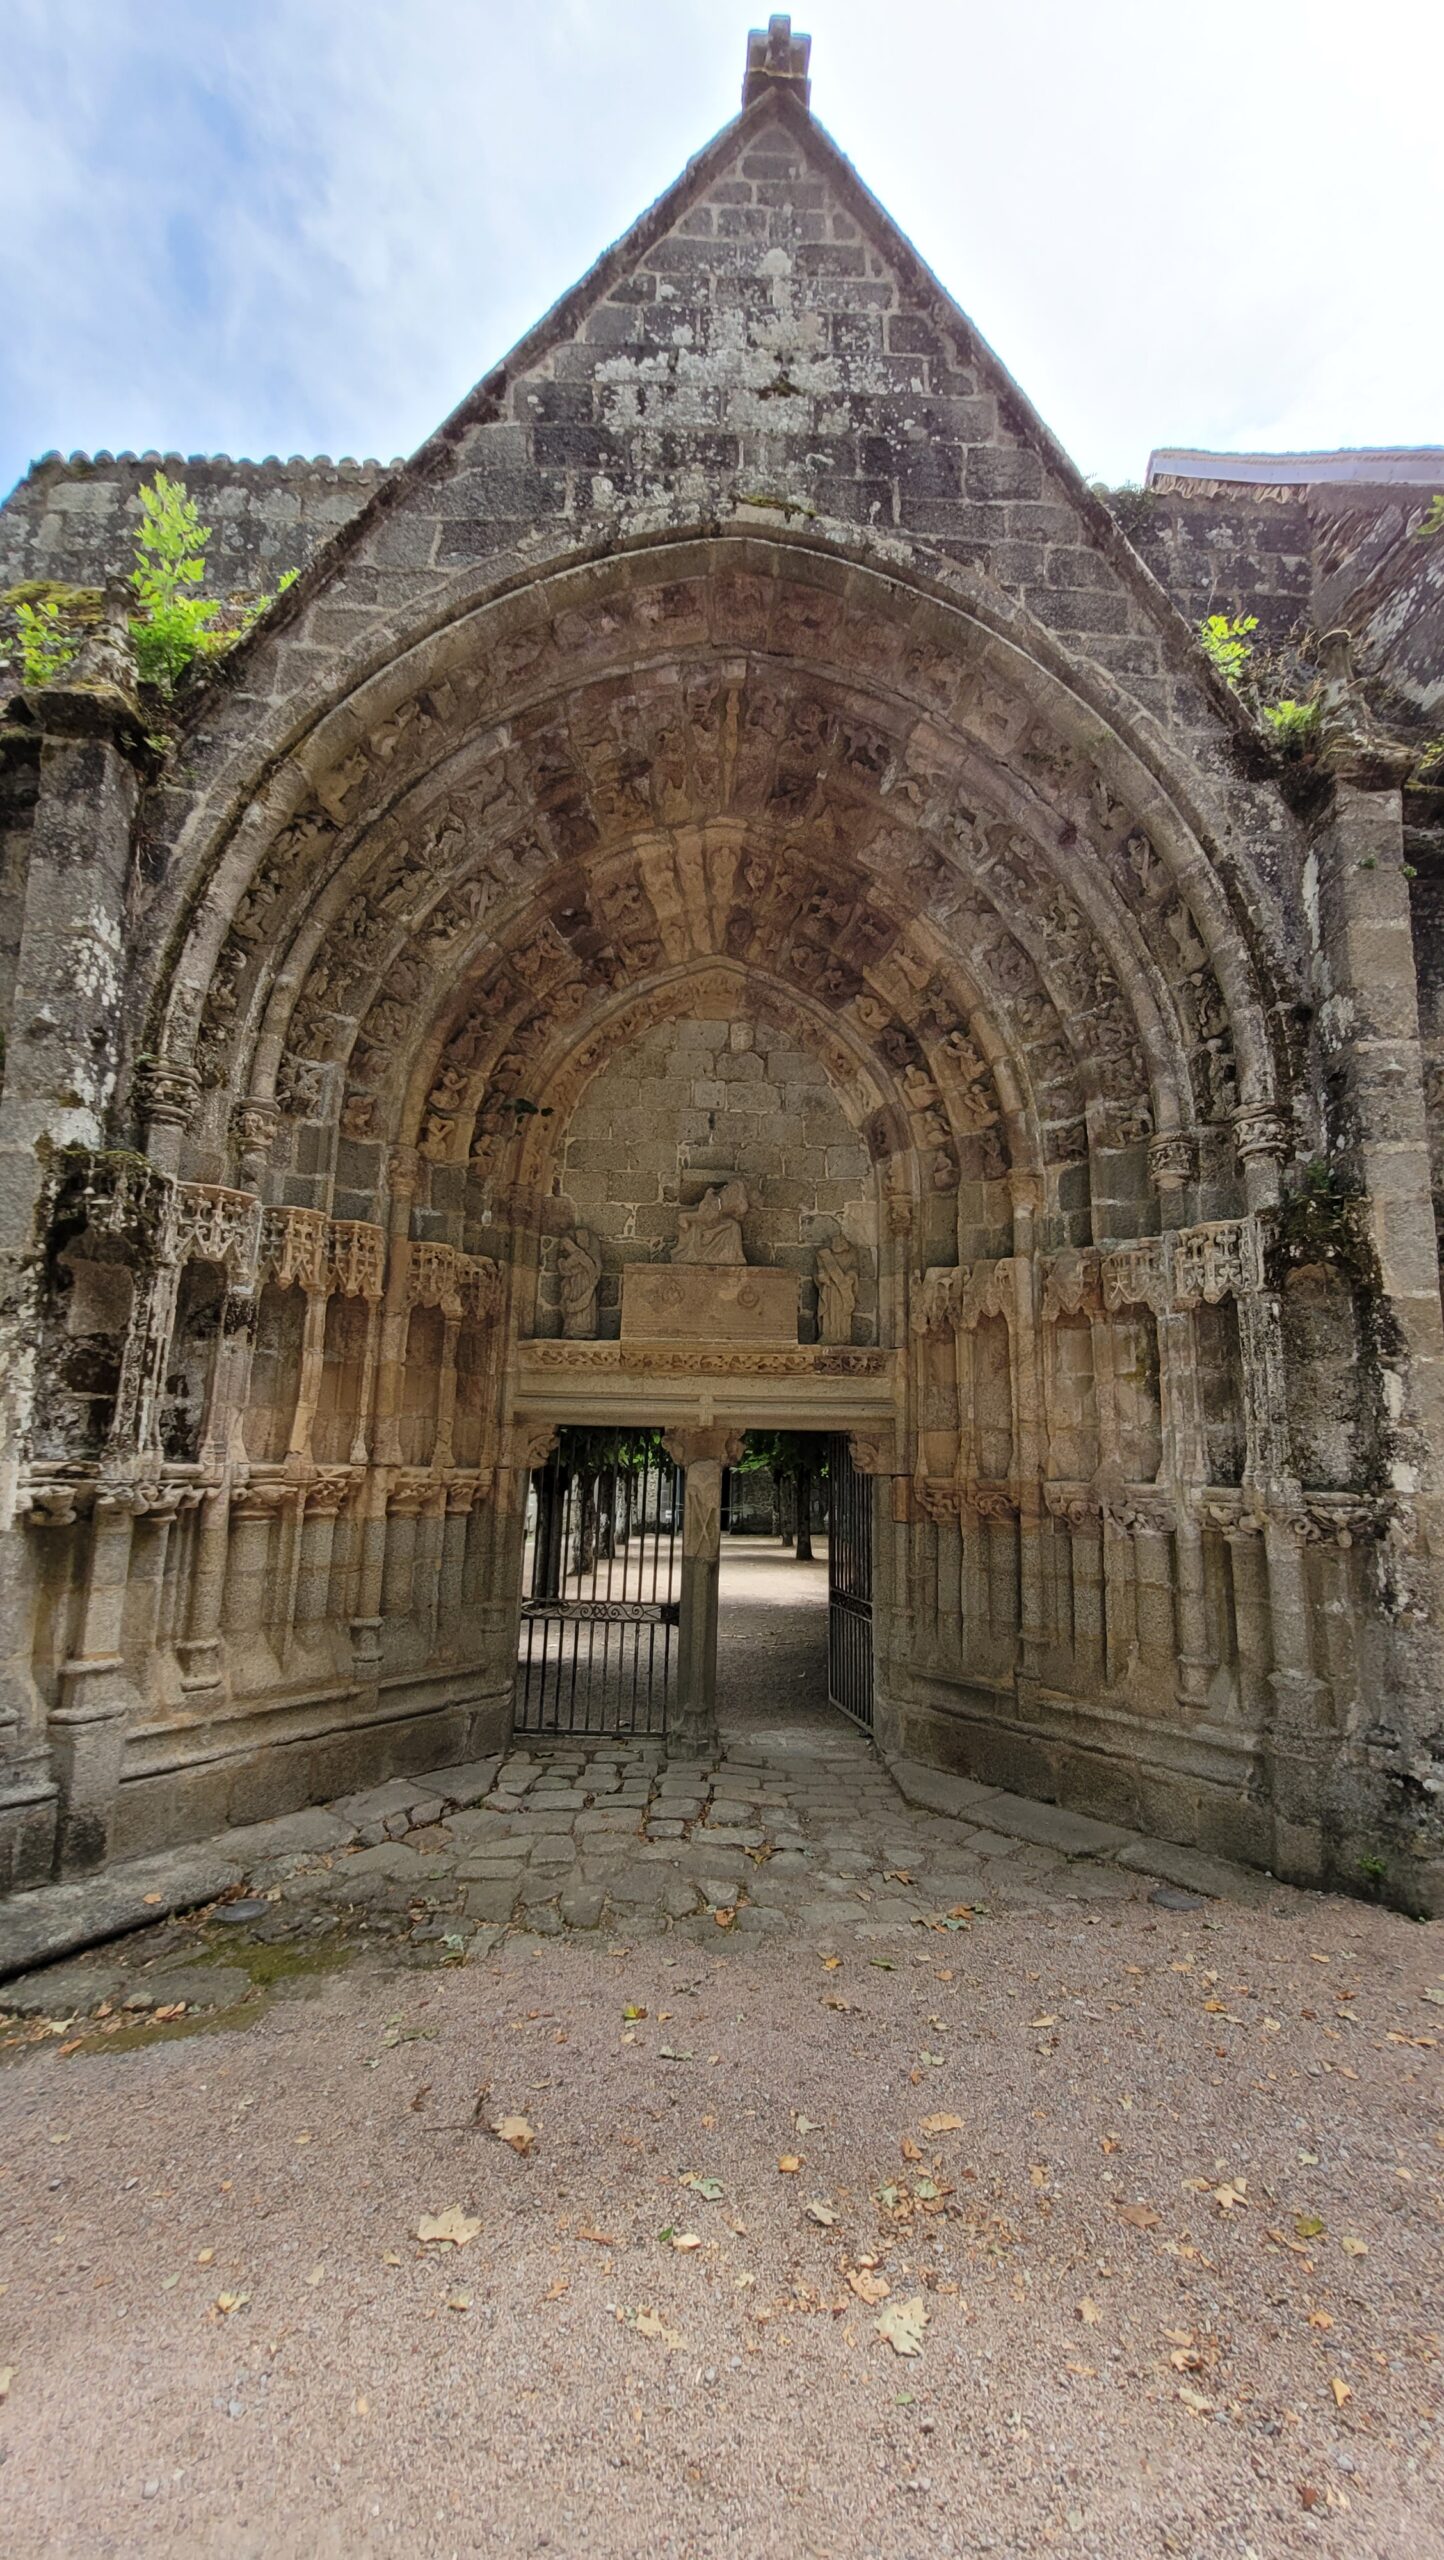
(707, 1302)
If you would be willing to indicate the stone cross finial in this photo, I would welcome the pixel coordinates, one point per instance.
(777, 59)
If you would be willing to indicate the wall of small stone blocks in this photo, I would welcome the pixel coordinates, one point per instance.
(75, 521)
(688, 1105)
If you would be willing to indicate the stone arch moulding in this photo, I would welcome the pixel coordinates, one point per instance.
(954, 735)
(739, 774)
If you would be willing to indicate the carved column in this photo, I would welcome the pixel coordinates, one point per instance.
(96, 1694)
(1029, 1441)
(703, 1454)
(460, 1494)
(325, 1500)
(404, 1167)
(1185, 1467)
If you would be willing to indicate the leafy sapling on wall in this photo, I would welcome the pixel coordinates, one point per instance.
(174, 628)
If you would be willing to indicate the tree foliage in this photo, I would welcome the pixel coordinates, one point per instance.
(174, 628)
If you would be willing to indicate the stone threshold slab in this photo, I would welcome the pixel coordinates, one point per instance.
(1077, 1835)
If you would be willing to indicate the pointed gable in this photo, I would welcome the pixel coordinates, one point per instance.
(765, 345)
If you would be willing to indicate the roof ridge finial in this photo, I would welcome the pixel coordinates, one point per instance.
(777, 59)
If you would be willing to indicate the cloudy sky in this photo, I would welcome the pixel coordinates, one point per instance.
(307, 226)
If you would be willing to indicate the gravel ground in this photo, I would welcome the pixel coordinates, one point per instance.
(1173, 2273)
(1226, 2379)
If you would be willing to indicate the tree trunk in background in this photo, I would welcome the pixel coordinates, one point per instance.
(802, 1496)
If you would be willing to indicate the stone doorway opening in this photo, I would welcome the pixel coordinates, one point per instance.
(773, 1596)
(601, 1586)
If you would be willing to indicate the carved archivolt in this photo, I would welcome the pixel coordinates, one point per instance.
(947, 867)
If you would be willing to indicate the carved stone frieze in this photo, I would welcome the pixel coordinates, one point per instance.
(1214, 1262)
(734, 1359)
(216, 1224)
(294, 1248)
(1136, 1275)
(356, 1257)
(1073, 1283)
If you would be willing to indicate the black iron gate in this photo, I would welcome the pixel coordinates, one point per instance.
(849, 1584)
(601, 1587)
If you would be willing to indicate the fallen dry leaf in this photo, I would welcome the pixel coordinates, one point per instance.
(555, 2291)
(868, 2287)
(652, 2325)
(942, 2124)
(516, 2133)
(603, 2239)
(902, 2325)
(819, 2210)
(1139, 2217)
(1341, 2390)
(453, 2228)
(910, 2150)
(226, 2302)
(458, 2302)
(1089, 2313)
(789, 2164)
(7, 2376)
(1353, 2248)
(686, 2240)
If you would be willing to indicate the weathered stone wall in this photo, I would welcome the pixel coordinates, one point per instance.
(73, 522)
(741, 679)
(697, 1102)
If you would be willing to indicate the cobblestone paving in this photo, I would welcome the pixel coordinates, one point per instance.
(813, 1836)
(795, 1828)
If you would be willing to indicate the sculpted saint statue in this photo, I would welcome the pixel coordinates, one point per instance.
(836, 1269)
(712, 1232)
(579, 1268)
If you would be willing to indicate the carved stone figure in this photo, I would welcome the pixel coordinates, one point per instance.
(579, 1269)
(712, 1232)
(837, 1275)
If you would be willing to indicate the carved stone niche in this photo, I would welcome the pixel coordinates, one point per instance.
(708, 1302)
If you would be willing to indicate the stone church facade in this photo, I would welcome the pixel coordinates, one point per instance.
(734, 782)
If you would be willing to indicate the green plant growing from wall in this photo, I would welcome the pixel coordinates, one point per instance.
(46, 647)
(1294, 724)
(175, 628)
(1432, 520)
(1228, 643)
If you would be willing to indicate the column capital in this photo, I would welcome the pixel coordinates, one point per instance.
(691, 1445)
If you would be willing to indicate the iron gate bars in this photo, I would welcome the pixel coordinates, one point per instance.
(849, 1585)
(601, 1587)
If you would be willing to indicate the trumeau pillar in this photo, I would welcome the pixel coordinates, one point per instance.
(703, 1453)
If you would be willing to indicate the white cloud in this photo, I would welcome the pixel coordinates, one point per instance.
(298, 227)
